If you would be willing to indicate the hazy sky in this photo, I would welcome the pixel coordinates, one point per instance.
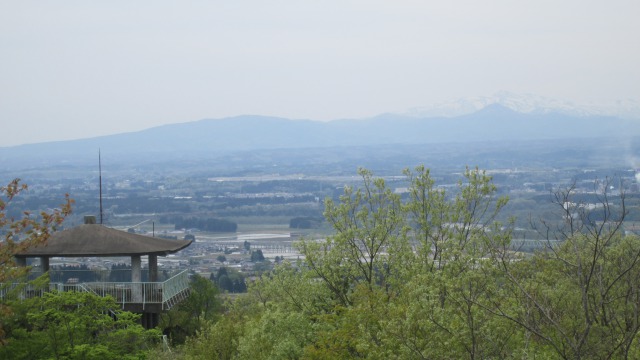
(73, 69)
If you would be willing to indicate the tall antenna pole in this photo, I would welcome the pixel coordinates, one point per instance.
(100, 179)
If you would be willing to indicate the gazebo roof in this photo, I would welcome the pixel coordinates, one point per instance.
(98, 240)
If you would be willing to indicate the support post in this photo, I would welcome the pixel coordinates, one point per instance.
(153, 268)
(136, 278)
(44, 263)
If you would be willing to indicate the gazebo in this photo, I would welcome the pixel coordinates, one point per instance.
(92, 240)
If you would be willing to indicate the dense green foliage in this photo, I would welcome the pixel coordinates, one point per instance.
(433, 276)
(21, 232)
(202, 306)
(229, 280)
(257, 256)
(74, 325)
(430, 274)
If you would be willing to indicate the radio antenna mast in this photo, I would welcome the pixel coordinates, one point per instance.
(100, 180)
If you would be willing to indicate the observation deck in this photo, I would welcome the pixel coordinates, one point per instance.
(140, 297)
(92, 240)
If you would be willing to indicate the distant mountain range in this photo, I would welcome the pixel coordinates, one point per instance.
(529, 104)
(215, 137)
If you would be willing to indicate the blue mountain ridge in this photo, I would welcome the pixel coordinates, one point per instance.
(251, 132)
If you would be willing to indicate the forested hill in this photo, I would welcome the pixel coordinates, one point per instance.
(246, 133)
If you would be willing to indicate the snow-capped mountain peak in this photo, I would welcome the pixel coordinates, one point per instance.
(528, 104)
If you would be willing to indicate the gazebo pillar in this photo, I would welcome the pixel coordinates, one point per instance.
(136, 277)
(136, 268)
(44, 263)
(153, 268)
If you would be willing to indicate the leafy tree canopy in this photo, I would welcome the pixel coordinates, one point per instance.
(433, 275)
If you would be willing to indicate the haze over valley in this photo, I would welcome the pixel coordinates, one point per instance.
(320, 179)
(251, 167)
(493, 128)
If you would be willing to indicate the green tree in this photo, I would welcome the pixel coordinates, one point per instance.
(434, 276)
(202, 306)
(292, 288)
(20, 234)
(579, 299)
(370, 295)
(217, 340)
(230, 280)
(368, 224)
(28, 231)
(257, 256)
(456, 241)
(275, 334)
(76, 325)
(446, 231)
